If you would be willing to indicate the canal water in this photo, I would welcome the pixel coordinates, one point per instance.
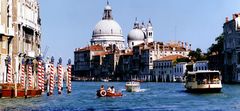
(154, 96)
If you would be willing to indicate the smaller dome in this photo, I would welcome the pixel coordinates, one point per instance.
(136, 34)
(108, 7)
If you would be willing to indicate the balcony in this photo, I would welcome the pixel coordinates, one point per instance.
(2, 29)
(10, 32)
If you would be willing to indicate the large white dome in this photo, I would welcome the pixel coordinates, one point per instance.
(107, 27)
(136, 34)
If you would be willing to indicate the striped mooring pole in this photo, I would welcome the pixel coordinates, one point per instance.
(60, 76)
(51, 76)
(9, 70)
(69, 71)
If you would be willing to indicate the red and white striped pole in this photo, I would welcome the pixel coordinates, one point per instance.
(69, 71)
(39, 69)
(9, 70)
(60, 76)
(51, 76)
(22, 73)
(30, 83)
(43, 81)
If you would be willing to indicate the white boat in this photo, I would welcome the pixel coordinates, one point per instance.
(203, 81)
(133, 86)
(105, 80)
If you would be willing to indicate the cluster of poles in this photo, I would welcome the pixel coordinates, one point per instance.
(30, 81)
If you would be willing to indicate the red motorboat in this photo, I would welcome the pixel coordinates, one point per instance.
(114, 94)
(103, 93)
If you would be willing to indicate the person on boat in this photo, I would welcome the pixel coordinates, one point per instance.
(109, 90)
(102, 87)
(113, 90)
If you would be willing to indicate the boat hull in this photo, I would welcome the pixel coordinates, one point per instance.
(132, 88)
(8, 91)
(205, 90)
(109, 94)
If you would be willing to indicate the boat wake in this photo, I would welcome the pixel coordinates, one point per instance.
(140, 90)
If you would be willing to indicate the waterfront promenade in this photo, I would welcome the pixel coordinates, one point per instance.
(155, 96)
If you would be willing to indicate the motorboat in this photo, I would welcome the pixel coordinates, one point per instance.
(203, 81)
(132, 86)
(103, 93)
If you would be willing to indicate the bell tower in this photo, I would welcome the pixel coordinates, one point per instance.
(149, 32)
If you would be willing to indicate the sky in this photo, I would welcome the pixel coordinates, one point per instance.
(68, 24)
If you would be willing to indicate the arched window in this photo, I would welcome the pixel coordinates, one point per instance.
(133, 43)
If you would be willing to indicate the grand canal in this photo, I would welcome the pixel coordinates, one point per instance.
(154, 96)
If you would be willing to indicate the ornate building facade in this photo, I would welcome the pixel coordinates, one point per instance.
(20, 33)
(231, 31)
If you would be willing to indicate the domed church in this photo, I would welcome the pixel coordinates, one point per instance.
(140, 34)
(108, 31)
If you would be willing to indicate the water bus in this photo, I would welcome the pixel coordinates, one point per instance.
(203, 81)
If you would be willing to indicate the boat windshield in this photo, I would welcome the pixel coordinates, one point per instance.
(208, 78)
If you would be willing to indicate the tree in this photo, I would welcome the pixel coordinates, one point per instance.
(218, 47)
(196, 55)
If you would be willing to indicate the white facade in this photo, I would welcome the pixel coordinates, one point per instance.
(179, 70)
(200, 65)
(163, 70)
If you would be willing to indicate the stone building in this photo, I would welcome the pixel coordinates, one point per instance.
(231, 31)
(200, 65)
(86, 59)
(20, 32)
(165, 69)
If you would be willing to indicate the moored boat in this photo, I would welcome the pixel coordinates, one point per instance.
(132, 86)
(204, 81)
(8, 91)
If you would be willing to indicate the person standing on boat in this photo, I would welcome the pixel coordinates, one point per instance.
(102, 87)
(109, 90)
(113, 89)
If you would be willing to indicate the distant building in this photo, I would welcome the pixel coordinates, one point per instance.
(179, 71)
(120, 62)
(165, 70)
(125, 66)
(231, 31)
(85, 60)
(140, 34)
(200, 65)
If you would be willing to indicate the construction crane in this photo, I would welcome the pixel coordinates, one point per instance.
(45, 52)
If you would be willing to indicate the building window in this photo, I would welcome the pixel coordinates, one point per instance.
(238, 55)
(150, 59)
(132, 43)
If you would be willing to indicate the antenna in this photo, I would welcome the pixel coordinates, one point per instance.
(175, 32)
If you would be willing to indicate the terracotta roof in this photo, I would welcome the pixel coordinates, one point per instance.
(172, 57)
(91, 48)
